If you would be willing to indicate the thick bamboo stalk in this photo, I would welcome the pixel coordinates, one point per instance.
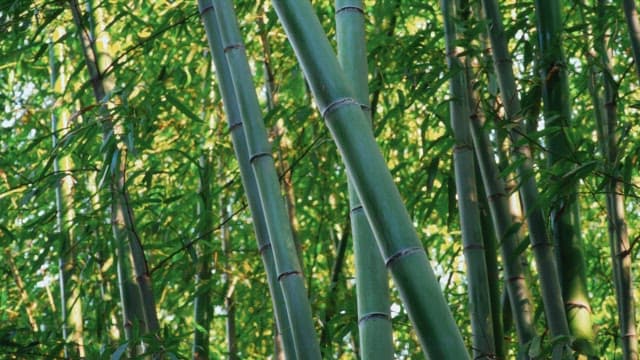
(122, 221)
(464, 167)
(397, 239)
(542, 247)
(262, 163)
(565, 218)
(607, 123)
(372, 284)
(633, 26)
(250, 185)
(70, 301)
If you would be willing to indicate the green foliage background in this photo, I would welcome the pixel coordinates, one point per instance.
(167, 101)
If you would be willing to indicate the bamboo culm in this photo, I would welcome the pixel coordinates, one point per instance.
(372, 284)
(240, 141)
(396, 237)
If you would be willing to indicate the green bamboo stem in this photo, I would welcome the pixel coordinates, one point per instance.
(542, 247)
(202, 301)
(250, 185)
(474, 250)
(122, 221)
(519, 294)
(565, 218)
(387, 215)
(607, 124)
(70, 301)
(631, 15)
(372, 284)
(261, 159)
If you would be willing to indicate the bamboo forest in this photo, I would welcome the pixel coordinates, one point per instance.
(296, 179)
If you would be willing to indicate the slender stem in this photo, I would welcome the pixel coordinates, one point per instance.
(250, 185)
(372, 285)
(464, 167)
(607, 124)
(542, 247)
(633, 25)
(70, 301)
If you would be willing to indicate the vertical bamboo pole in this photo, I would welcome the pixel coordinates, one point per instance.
(467, 197)
(565, 218)
(96, 56)
(607, 120)
(70, 301)
(633, 26)
(542, 247)
(372, 284)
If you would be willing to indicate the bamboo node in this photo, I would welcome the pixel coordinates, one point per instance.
(402, 253)
(264, 247)
(205, 9)
(350, 8)
(233, 47)
(235, 125)
(356, 209)
(288, 273)
(373, 315)
(258, 155)
(577, 304)
(337, 104)
(473, 247)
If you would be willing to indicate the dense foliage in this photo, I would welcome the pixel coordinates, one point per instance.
(171, 130)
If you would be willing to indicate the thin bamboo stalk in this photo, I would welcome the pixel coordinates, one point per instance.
(262, 163)
(387, 215)
(122, 221)
(474, 250)
(542, 247)
(372, 284)
(202, 302)
(241, 149)
(564, 214)
(633, 25)
(70, 301)
(607, 122)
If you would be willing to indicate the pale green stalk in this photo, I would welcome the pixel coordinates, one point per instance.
(396, 237)
(250, 185)
(372, 284)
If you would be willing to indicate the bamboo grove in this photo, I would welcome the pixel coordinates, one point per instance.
(289, 179)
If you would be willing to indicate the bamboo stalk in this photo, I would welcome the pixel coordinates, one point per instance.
(605, 108)
(633, 26)
(372, 284)
(202, 301)
(387, 215)
(542, 247)
(262, 163)
(122, 221)
(250, 185)
(474, 249)
(70, 301)
(565, 218)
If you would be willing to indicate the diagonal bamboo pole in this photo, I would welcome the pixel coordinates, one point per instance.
(397, 239)
(277, 273)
